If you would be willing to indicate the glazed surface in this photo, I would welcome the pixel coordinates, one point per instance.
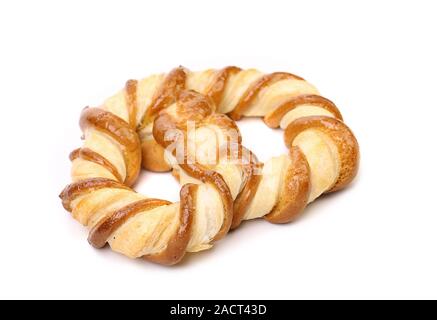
(134, 127)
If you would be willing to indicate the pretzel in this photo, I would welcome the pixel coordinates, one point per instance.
(148, 123)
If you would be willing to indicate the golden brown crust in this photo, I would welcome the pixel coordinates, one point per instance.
(167, 94)
(193, 106)
(227, 124)
(209, 176)
(131, 101)
(74, 154)
(153, 156)
(215, 91)
(200, 109)
(273, 118)
(344, 139)
(120, 131)
(246, 195)
(177, 246)
(295, 191)
(89, 155)
(176, 175)
(76, 189)
(100, 234)
(152, 153)
(256, 88)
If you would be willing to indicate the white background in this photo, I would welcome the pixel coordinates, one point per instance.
(375, 59)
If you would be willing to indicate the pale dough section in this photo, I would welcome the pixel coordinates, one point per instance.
(208, 218)
(103, 144)
(90, 209)
(117, 105)
(233, 176)
(236, 86)
(322, 156)
(146, 90)
(83, 169)
(304, 110)
(276, 94)
(208, 146)
(200, 81)
(148, 232)
(268, 190)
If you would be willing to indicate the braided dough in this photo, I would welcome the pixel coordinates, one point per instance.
(131, 128)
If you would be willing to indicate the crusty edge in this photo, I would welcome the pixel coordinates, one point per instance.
(341, 135)
(295, 190)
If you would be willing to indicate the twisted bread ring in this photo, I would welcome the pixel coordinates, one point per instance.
(149, 120)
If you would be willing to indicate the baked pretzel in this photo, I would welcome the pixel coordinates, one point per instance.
(133, 126)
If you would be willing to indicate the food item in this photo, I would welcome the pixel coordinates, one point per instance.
(150, 121)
